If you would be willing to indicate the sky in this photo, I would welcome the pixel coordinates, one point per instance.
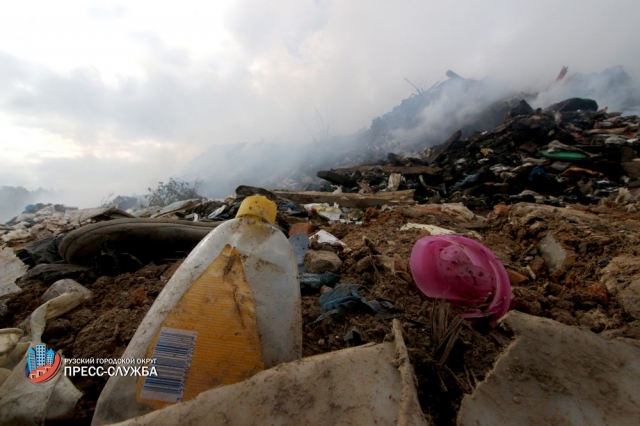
(101, 97)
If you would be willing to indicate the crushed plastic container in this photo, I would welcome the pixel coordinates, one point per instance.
(231, 310)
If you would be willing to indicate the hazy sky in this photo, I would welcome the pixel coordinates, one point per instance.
(108, 96)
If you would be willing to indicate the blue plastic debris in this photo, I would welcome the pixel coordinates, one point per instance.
(466, 182)
(315, 281)
(538, 175)
(288, 207)
(346, 296)
(300, 244)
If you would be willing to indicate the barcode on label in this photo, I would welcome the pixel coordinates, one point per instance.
(173, 353)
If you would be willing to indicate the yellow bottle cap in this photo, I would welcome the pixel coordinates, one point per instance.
(260, 207)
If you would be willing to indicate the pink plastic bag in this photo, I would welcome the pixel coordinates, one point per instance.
(464, 272)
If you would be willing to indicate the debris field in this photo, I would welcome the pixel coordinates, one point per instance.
(554, 194)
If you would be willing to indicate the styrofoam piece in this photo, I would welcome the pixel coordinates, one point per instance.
(325, 237)
(555, 374)
(370, 384)
(432, 229)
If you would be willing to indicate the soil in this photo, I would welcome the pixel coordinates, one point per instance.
(377, 260)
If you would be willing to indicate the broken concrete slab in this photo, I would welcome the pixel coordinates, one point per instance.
(557, 374)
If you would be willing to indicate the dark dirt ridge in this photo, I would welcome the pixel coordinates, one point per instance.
(446, 368)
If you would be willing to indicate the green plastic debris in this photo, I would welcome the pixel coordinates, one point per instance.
(565, 155)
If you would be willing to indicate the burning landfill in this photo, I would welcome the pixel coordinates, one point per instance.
(492, 278)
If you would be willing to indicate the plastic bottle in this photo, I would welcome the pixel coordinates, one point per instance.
(217, 329)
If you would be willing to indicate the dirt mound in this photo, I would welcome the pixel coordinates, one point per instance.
(450, 356)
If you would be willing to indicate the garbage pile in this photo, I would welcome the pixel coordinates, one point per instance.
(432, 264)
(571, 265)
(567, 153)
(39, 221)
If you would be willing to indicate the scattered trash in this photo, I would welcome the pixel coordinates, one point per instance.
(361, 201)
(15, 235)
(246, 191)
(432, 229)
(146, 212)
(111, 261)
(552, 192)
(345, 296)
(178, 206)
(353, 337)
(459, 210)
(22, 402)
(65, 286)
(97, 215)
(11, 268)
(300, 227)
(325, 210)
(394, 181)
(316, 281)
(50, 273)
(217, 212)
(44, 251)
(322, 237)
(9, 338)
(463, 271)
(300, 244)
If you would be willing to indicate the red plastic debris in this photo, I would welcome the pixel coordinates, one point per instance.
(464, 272)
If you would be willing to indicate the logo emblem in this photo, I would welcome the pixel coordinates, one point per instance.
(42, 364)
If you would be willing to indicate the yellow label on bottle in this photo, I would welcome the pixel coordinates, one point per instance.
(210, 338)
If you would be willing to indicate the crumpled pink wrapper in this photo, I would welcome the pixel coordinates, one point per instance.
(464, 272)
